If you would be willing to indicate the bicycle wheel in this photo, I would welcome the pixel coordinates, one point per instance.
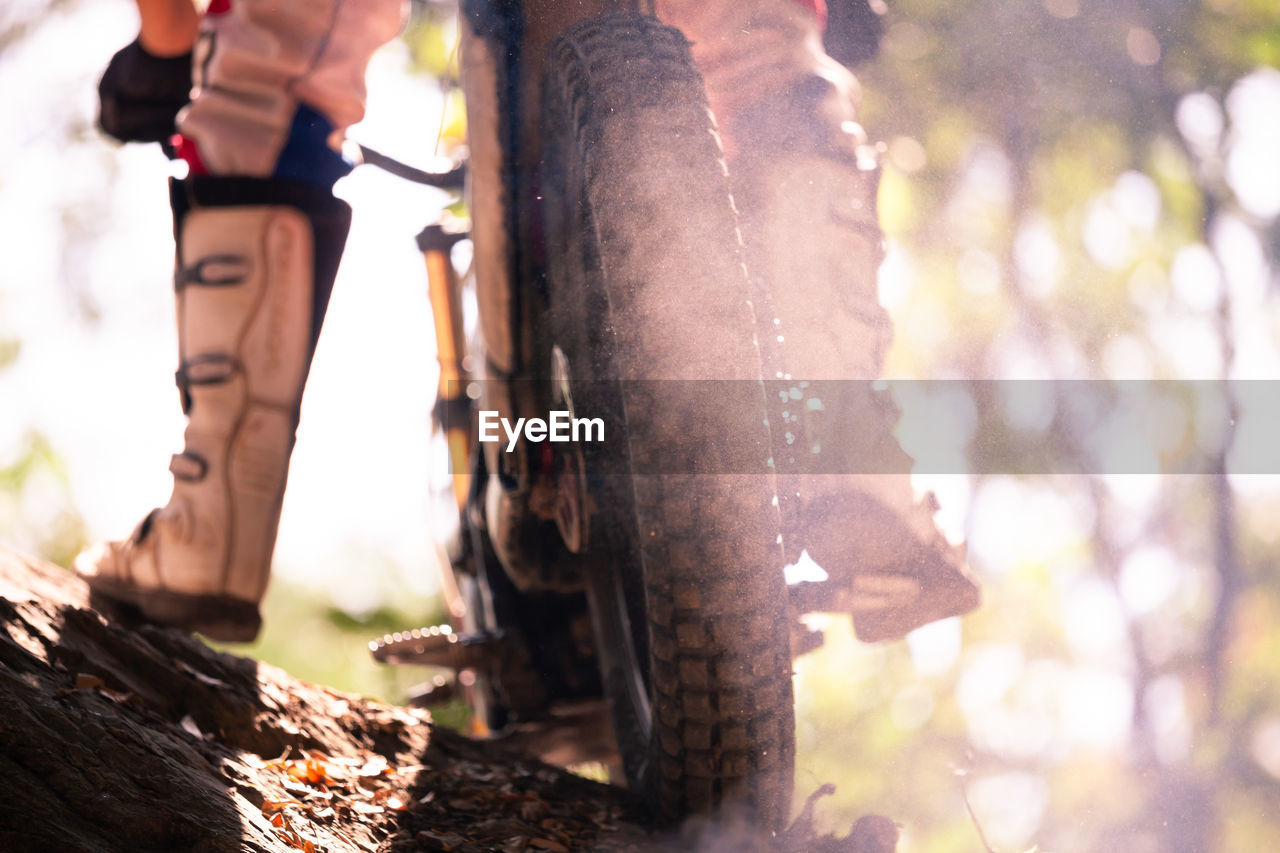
(647, 286)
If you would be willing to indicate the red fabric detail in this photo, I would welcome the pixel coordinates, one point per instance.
(817, 7)
(188, 152)
(221, 7)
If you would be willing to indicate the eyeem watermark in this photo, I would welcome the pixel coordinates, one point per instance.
(559, 426)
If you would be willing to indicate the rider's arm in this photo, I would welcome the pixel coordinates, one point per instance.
(169, 27)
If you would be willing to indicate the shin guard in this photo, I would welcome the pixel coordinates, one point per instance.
(256, 260)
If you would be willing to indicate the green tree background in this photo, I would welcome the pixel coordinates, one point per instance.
(1073, 190)
(1081, 191)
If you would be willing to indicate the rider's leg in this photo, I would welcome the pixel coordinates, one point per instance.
(259, 238)
(255, 262)
(805, 184)
(258, 61)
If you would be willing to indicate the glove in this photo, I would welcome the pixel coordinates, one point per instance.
(140, 94)
(853, 31)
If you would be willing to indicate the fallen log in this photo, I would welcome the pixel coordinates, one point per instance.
(115, 738)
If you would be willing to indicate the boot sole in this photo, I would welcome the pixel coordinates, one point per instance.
(943, 588)
(218, 617)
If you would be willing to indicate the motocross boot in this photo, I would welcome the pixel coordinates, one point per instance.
(256, 260)
(805, 182)
(809, 221)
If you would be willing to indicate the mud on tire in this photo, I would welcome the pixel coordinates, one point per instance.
(647, 286)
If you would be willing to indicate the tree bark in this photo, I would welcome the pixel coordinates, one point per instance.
(141, 739)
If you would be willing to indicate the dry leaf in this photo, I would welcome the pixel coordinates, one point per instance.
(190, 727)
(282, 761)
(385, 794)
(88, 681)
(465, 805)
(297, 842)
(366, 808)
(310, 770)
(348, 761)
(201, 677)
(438, 841)
(296, 788)
(85, 681)
(548, 844)
(533, 810)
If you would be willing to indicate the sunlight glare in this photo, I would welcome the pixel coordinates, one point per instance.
(935, 648)
(1094, 621)
(1252, 168)
(1009, 806)
(1148, 577)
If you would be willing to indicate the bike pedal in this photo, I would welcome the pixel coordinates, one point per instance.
(439, 645)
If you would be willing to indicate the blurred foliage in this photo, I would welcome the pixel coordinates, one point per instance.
(10, 348)
(1053, 170)
(37, 512)
(432, 36)
(309, 636)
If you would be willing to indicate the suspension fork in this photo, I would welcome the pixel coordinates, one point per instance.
(453, 407)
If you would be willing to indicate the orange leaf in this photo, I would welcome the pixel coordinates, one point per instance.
(316, 771)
